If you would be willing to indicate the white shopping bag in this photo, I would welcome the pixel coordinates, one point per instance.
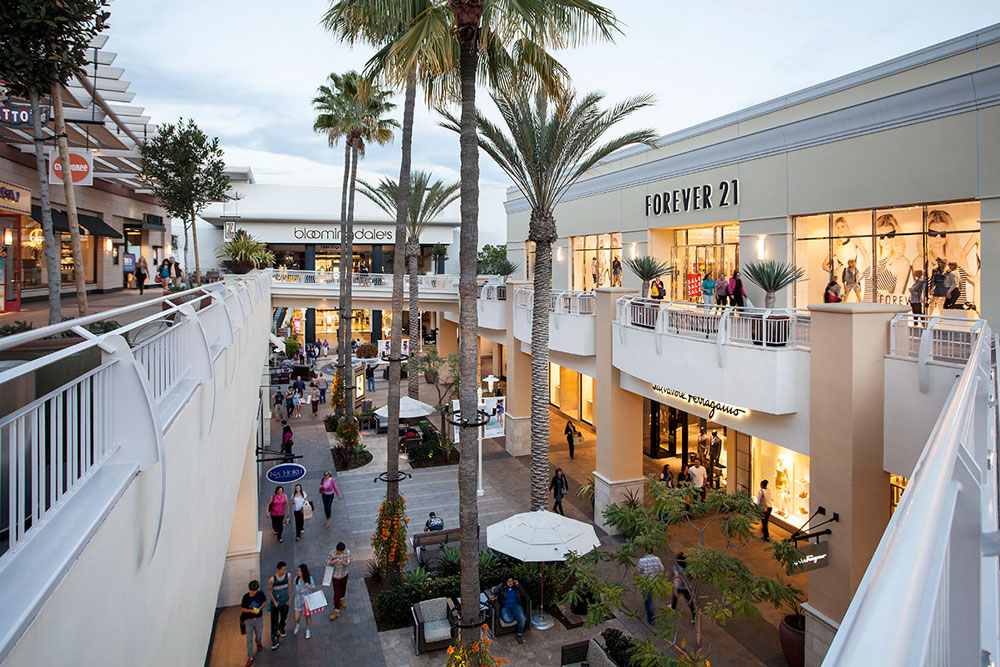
(328, 576)
(314, 602)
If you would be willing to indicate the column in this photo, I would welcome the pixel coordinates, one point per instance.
(310, 265)
(243, 554)
(518, 424)
(988, 300)
(618, 419)
(376, 267)
(447, 342)
(845, 447)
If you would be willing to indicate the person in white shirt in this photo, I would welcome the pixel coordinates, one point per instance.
(299, 500)
(764, 504)
(698, 474)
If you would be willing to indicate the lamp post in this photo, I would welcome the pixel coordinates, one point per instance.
(454, 417)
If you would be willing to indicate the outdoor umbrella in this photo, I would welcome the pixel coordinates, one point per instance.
(408, 409)
(541, 537)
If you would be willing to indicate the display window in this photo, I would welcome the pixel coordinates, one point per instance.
(327, 322)
(596, 261)
(787, 473)
(572, 392)
(33, 268)
(924, 257)
(897, 484)
(701, 251)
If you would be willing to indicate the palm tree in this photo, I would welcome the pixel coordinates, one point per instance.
(546, 148)
(772, 277)
(505, 267)
(426, 201)
(350, 109)
(647, 269)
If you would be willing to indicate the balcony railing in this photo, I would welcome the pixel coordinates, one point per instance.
(722, 324)
(492, 292)
(445, 282)
(566, 302)
(942, 339)
(941, 543)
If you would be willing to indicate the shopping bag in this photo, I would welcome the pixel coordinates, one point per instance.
(328, 576)
(314, 603)
(307, 510)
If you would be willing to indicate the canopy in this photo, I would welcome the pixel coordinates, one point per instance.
(408, 409)
(541, 536)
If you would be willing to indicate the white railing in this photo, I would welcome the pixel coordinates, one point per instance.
(939, 549)
(941, 339)
(50, 444)
(492, 292)
(446, 282)
(565, 302)
(723, 324)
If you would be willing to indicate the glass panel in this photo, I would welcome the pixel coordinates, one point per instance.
(569, 392)
(814, 256)
(812, 226)
(959, 248)
(731, 234)
(898, 247)
(554, 394)
(701, 236)
(788, 475)
(587, 387)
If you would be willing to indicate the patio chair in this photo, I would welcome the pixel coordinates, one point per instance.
(587, 652)
(500, 627)
(433, 627)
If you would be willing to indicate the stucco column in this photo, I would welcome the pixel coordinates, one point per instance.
(243, 554)
(447, 338)
(618, 418)
(846, 380)
(988, 299)
(518, 416)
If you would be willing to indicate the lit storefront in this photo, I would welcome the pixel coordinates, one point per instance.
(572, 393)
(787, 474)
(698, 251)
(596, 261)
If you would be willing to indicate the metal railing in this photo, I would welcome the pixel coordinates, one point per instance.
(941, 543)
(564, 302)
(446, 282)
(51, 443)
(724, 324)
(492, 292)
(942, 339)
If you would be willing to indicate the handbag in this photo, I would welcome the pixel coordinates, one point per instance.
(314, 602)
(307, 510)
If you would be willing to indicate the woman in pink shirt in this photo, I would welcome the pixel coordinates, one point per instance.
(327, 489)
(277, 507)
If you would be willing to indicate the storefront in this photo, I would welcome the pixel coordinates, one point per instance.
(596, 261)
(701, 251)
(15, 205)
(572, 393)
(787, 474)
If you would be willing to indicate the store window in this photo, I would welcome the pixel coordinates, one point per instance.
(596, 261)
(787, 473)
(700, 250)
(897, 484)
(328, 322)
(572, 393)
(891, 256)
(33, 268)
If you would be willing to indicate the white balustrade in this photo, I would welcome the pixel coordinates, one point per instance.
(946, 340)
(566, 302)
(442, 282)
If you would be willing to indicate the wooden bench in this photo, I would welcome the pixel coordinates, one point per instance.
(438, 538)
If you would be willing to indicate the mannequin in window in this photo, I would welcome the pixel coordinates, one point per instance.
(781, 486)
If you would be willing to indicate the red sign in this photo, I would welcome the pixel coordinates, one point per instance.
(81, 164)
(694, 286)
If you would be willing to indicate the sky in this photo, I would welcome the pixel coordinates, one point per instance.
(247, 71)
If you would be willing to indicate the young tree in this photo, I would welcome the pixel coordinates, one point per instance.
(546, 148)
(647, 269)
(42, 45)
(488, 257)
(442, 374)
(187, 172)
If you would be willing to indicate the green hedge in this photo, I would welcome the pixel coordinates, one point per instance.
(394, 604)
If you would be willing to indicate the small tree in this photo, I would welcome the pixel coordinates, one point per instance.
(647, 269)
(439, 253)
(504, 267)
(442, 373)
(488, 257)
(772, 277)
(721, 584)
(43, 44)
(187, 172)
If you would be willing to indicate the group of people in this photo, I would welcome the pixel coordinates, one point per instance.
(694, 475)
(288, 404)
(167, 274)
(283, 509)
(718, 291)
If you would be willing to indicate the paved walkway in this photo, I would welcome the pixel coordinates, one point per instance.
(37, 312)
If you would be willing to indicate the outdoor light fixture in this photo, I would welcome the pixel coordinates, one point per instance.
(490, 380)
(634, 247)
(760, 246)
(109, 245)
(168, 249)
(558, 254)
(8, 237)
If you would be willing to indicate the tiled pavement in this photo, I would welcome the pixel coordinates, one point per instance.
(353, 639)
(37, 312)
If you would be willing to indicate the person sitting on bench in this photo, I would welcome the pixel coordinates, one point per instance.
(434, 522)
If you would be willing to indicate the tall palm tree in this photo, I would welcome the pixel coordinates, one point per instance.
(351, 109)
(546, 148)
(426, 201)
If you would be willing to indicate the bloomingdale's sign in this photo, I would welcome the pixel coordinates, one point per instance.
(316, 235)
(710, 405)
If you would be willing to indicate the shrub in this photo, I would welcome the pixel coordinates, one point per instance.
(430, 434)
(292, 347)
(367, 351)
(394, 604)
(330, 421)
(422, 451)
(416, 576)
(389, 538)
(449, 561)
(348, 434)
(619, 646)
(16, 327)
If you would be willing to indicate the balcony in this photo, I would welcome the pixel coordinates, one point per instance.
(492, 305)
(320, 289)
(572, 324)
(753, 358)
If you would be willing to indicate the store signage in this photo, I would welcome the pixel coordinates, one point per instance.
(694, 286)
(15, 198)
(286, 473)
(710, 405)
(19, 115)
(81, 164)
(128, 262)
(332, 233)
(814, 557)
(694, 198)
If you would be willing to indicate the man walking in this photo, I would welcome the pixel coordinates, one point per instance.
(340, 560)
(322, 384)
(370, 377)
(764, 505)
(697, 473)
(251, 618)
(648, 566)
(279, 589)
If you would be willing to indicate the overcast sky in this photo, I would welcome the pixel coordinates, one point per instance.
(246, 71)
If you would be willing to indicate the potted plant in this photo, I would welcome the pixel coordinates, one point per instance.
(647, 269)
(367, 351)
(792, 634)
(771, 276)
(243, 253)
(439, 253)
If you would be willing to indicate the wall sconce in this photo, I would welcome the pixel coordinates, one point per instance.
(109, 245)
(760, 246)
(169, 249)
(635, 246)
(8, 237)
(559, 254)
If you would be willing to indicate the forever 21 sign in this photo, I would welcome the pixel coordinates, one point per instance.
(694, 198)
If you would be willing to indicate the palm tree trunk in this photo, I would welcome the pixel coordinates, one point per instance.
(52, 250)
(468, 14)
(412, 250)
(398, 271)
(71, 216)
(344, 326)
(194, 241)
(348, 244)
(645, 289)
(540, 375)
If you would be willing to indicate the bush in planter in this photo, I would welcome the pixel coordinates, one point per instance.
(292, 347)
(394, 604)
(367, 351)
(620, 647)
(449, 561)
(16, 327)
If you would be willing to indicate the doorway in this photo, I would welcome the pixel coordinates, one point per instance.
(10, 263)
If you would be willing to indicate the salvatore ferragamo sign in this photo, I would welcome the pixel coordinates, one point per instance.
(708, 404)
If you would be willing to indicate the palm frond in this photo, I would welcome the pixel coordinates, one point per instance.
(772, 276)
(647, 268)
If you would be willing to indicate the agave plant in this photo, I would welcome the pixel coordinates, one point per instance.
(647, 269)
(772, 277)
(243, 250)
(504, 267)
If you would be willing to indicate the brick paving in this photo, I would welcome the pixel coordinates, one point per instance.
(37, 312)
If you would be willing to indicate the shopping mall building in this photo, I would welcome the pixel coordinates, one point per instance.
(882, 171)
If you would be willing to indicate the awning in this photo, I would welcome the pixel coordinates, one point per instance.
(60, 223)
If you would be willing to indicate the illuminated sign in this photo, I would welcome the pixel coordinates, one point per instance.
(15, 198)
(710, 405)
(814, 557)
(19, 115)
(333, 234)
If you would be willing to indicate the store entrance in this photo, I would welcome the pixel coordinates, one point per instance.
(10, 263)
(695, 261)
(677, 436)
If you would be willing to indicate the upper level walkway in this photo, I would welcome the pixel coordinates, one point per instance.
(320, 289)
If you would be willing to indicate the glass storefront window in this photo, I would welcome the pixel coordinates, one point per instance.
(787, 473)
(572, 392)
(587, 386)
(328, 322)
(897, 484)
(701, 250)
(596, 261)
(33, 269)
(554, 394)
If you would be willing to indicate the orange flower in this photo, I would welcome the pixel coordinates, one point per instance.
(451, 649)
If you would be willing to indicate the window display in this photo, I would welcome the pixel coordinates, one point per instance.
(327, 322)
(34, 271)
(572, 392)
(596, 261)
(892, 256)
(699, 251)
(788, 474)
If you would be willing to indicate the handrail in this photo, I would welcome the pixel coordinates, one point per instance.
(492, 292)
(926, 338)
(563, 302)
(434, 281)
(933, 539)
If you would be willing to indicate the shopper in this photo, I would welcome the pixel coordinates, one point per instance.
(327, 490)
(650, 565)
(299, 386)
(721, 290)
(340, 560)
(917, 292)
(832, 292)
(279, 402)
(304, 585)
(698, 474)
(370, 377)
(326, 348)
(289, 403)
(279, 590)
(513, 601)
(140, 273)
(164, 275)
(287, 442)
(434, 522)
(314, 400)
(737, 295)
(297, 405)
(764, 505)
(175, 272)
(299, 500)
(680, 584)
(708, 289)
(277, 508)
(251, 618)
(559, 487)
(666, 476)
(571, 435)
(322, 384)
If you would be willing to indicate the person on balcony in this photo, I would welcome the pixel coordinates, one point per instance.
(708, 289)
(737, 295)
(512, 600)
(832, 292)
(721, 290)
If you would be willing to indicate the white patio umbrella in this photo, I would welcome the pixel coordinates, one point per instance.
(408, 409)
(541, 537)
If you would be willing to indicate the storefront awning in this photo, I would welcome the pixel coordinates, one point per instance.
(60, 223)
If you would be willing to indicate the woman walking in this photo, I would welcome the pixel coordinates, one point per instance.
(340, 560)
(314, 399)
(277, 508)
(304, 585)
(165, 275)
(327, 490)
(141, 271)
(559, 487)
(299, 500)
